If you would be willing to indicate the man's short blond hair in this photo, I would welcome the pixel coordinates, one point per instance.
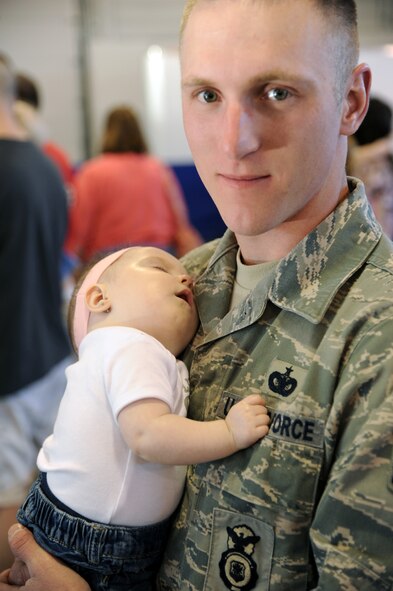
(341, 17)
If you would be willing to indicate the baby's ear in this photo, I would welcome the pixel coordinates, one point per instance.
(96, 300)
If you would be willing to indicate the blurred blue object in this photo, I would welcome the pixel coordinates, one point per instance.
(202, 211)
(67, 265)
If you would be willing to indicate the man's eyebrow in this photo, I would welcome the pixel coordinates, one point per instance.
(254, 82)
(193, 82)
(278, 76)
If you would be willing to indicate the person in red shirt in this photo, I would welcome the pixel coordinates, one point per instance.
(125, 197)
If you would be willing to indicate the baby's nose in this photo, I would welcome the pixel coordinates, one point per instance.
(187, 280)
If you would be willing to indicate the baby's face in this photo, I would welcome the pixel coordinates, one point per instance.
(150, 290)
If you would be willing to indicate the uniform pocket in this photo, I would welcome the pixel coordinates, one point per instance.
(249, 527)
(236, 541)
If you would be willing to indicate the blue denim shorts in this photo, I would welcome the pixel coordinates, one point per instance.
(109, 557)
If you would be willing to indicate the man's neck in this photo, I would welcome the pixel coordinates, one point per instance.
(278, 242)
(7, 133)
(9, 128)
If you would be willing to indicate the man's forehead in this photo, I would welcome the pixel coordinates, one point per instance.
(220, 9)
(196, 5)
(281, 32)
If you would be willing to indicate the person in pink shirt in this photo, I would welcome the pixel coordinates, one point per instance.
(127, 197)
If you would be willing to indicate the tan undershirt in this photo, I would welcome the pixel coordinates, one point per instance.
(247, 277)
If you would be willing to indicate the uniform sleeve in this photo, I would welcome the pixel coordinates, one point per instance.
(352, 532)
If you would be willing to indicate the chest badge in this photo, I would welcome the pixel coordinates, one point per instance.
(282, 383)
(238, 570)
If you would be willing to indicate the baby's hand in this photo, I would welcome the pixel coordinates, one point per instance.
(248, 421)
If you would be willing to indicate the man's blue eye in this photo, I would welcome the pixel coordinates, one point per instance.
(278, 94)
(208, 96)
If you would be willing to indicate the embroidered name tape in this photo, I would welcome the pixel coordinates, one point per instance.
(296, 428)
(283, 425)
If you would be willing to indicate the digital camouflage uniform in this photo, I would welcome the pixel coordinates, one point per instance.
(314, 497)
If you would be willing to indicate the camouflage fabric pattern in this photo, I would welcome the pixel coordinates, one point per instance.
(311, 505)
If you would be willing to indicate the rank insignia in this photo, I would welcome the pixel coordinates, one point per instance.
(282, 383)
(284, 380)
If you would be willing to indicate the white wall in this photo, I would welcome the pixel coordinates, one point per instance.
(41, 38)
(380, 59)
(116, 78)
(149, 80)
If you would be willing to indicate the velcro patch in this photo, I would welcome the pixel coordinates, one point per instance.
(284, 380)
(228, 399)
(296, 428)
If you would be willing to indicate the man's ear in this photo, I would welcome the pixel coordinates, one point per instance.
(96, 299)
(356, 99)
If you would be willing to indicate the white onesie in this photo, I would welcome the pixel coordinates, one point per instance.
(89, 466)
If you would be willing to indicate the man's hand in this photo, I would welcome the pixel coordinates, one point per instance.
(34, 569)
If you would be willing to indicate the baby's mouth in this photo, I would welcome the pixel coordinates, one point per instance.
(186, 295)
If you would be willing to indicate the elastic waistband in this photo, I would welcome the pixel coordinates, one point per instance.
(73, 538)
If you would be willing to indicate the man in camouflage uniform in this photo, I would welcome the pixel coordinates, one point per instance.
(311, 505)
(315, 339)
(296, 303)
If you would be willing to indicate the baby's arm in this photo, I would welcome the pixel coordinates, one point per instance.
(156, 435)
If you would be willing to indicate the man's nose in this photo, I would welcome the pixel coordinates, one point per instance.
(240, 134)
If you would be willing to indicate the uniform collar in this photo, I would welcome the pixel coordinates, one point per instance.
(305, 281)
(309, 277)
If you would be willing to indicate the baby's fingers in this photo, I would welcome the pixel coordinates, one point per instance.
(262, 430)
(254, 399)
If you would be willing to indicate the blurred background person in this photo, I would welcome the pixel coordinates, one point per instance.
(34, 347)
(125, 197)
(27, 108)
(371, 160)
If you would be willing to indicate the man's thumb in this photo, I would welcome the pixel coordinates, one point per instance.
(19, 538)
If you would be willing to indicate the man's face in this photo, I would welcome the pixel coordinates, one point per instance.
(260, 112)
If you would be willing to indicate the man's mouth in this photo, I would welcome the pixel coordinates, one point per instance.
(243, 179)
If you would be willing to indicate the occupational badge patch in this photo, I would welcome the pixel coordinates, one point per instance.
(238, 570)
